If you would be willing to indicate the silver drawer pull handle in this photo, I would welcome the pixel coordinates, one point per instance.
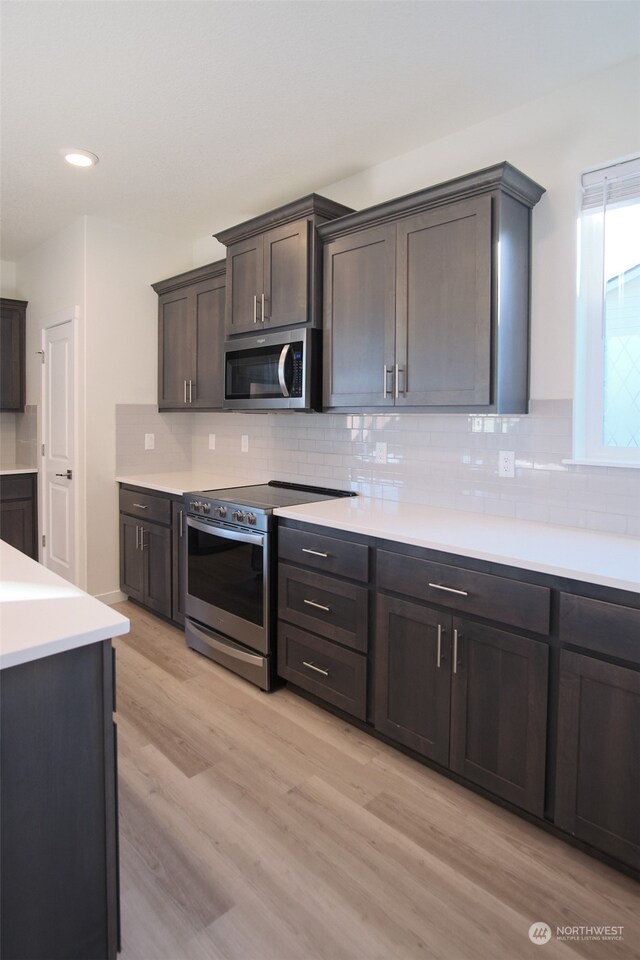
(141, 506)
(439, 586)
(316, 553)
(312, 666)
(318, 606)
(439, 653)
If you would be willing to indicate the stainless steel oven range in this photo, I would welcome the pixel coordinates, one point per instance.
(231, 571)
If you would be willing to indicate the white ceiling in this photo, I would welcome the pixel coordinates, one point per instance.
(204, 113)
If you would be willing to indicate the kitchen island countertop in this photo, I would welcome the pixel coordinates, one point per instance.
(600, 558)
(41, 614)
(10, 469)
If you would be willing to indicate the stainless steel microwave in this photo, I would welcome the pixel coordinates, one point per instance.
(274, 371)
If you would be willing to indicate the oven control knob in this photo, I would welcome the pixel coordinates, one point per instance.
(238, 516)
(196, 505)
(251, 518)
(221, 511)
(206, 508)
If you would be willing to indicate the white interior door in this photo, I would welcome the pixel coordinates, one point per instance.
(58, 463)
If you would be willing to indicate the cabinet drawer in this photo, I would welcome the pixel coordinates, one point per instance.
(607, 628)
(484, 595)
(146, 506)
(326, 554)
(332, 608)
(18, 487)
(336, 675)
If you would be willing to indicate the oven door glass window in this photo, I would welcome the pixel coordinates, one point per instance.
(227, 573)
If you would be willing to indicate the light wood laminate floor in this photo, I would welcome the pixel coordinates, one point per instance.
(259, 827)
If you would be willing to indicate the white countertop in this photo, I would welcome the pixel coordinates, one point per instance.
(600, 558)
(42, 614)
(16, 468)
(179, 483)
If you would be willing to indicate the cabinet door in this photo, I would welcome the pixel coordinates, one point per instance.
(178, 560)
(131, 580)
(244, 285)
(443, 309)
(598, 778)
(176, 348)
(208, 312)
(286, 275)
(17, 526)
(12, 356)
(156, 553)
(412, 676)
(499, 712)
(359, 319)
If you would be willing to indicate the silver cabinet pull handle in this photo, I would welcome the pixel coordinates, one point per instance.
(440, 586)
(312, 666)
(455, 651)
(397, 371)
(318, 606)
(316, 553)
(142, 538)
(180, 523)
(190, 391)
(141, 506)
(185, 390)
(439, 653)
(137, 537)
(262, 307)
(385, 374)
(255, 308)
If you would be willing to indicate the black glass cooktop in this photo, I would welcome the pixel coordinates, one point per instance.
(269, 496)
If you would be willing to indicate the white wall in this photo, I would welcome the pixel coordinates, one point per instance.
(8, 280)
(105, 270)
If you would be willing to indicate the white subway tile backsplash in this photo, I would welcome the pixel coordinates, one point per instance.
(446, 461)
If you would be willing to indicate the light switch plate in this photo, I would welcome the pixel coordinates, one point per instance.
(244, 443)
(149, 441)
(381, 452)
(212, 441)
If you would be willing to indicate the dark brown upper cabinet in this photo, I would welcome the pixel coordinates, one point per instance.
(426, 298)
(274, 267)
(13, 315)
(190, 338)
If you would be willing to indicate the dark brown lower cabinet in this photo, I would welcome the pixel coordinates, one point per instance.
(598, 774)
(18, 512)
(482, 715)
(145, 563)
(413, 676)
(58, 809)
(499, 712)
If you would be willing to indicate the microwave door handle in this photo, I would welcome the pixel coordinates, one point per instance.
(281, 362)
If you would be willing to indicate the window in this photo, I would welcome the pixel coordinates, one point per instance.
(607, 403)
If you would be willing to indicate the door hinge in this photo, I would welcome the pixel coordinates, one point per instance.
(44, 540)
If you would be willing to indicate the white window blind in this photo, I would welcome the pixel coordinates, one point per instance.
(618, 183)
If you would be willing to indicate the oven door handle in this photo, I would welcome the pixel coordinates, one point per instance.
(244, 536)
(281, 362)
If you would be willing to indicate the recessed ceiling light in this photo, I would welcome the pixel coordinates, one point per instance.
(80, 158)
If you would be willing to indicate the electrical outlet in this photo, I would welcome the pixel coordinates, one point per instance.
(381, 452)
(506, 463)
(244, 443)
(149, 441)
(212, 441)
